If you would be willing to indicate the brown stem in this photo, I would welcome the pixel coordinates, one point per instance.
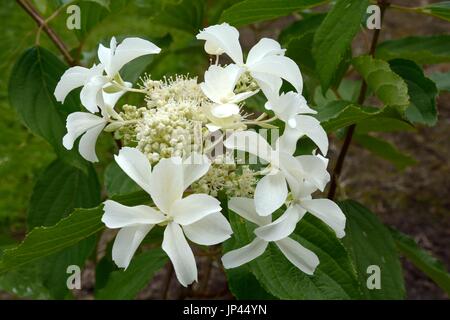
(362, 96)
(49, 31)
(168, 280)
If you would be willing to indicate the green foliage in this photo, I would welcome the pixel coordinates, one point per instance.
(32, 83)
(423, 260)
(440, 10)
(385, 150)
(334, 278)
(60, 189)
(126, 284)
(387, 85)
(421, 49)
(44, 241)
(244, 286)
(442, 80)
(370, 243)
(250, 11)
(422, 92)
(334, 37)
(185, 15)
(117, 182)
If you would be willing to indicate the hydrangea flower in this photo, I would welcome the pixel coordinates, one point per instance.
(196, 216)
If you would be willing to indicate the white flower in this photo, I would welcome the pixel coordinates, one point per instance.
(272, 190)
(302, 202)
(265, 61)
(287, 106)
(197, 216)
(219, 88)
(89, 126)
(303, 258)
(94, 81)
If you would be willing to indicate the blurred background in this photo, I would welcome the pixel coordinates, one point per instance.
(416, 200)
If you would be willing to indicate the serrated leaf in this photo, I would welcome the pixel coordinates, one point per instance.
(420, 49)
(334, 37)
(442, 80)
(422, 92)
(117, 182)
(387, 85)
(31, 86)
(334, 278)
(250, 11)
(440, 10)
(44, 241)
(126, 284)
(385, 150)
(422, 259)
(370, 243)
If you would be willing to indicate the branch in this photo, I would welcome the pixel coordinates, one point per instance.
(49, 31)
(362, 96)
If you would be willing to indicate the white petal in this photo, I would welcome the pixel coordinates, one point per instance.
(225, 37)
(327, 211)
(245, 207)
(298, 255)
(288, 105)
(166, 183)
(210, 230)
(105, 56)
(73, 78)
(283, 226)
(136, 165)
(111, 99)
(282, 67)
(270, 193)
(127, 241)
(86, 146)
(270, 85)
(220, 82)
(193, 208)
(243, 95)
(265, 47)
(251, 142)
(225, 110)
(128, 50)
(179, 252)
(310, 127)
(194, 167)
(314, 170)
(238, 257)
(92, 93)
(118, 216)
(78, 123)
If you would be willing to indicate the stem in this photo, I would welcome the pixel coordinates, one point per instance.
(49, 31)
(362, 96)
(168, 280)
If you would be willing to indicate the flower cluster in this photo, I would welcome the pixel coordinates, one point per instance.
(182, 147)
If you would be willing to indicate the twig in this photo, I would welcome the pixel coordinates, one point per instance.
(49, 31)
(362, 96)
(168, 280)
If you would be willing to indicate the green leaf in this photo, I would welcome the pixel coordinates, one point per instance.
(44, 241)
(370, 243)
(442, 80)
(423, 260)
(250, 11)
(24, 283)
(117, 182)
(421, 49)
(422, 92)
(123, 285)
(185, 15)
(334, 37)
(387, 85)
(244, 286)
(340, 114)
(334, 278)
(31, 86)
(385, 150)
(60, 189)
(440, 10)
